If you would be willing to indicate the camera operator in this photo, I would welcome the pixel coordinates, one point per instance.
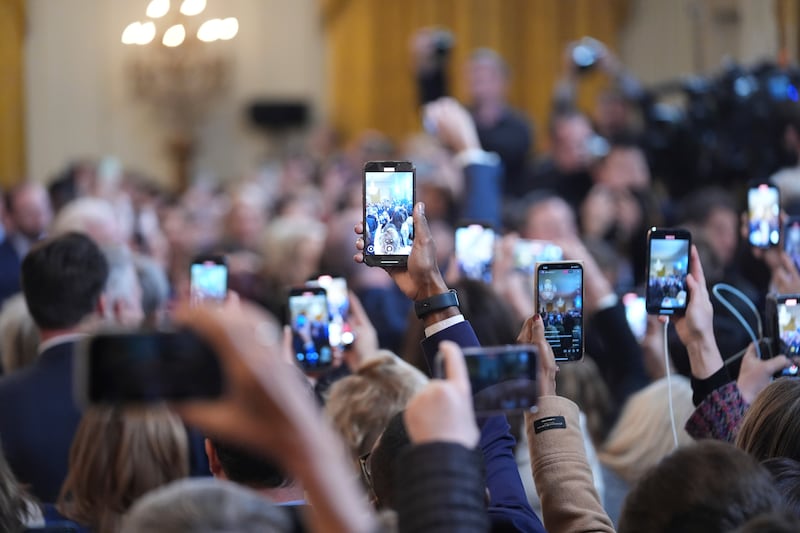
(501, 129)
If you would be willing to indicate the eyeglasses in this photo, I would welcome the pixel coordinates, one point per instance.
(366, 472)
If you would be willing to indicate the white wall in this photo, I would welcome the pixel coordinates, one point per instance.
(79, 103)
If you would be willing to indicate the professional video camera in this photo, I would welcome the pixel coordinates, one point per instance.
(728, 130)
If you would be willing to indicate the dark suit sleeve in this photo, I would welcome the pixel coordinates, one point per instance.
(508, 503)
(483, 193)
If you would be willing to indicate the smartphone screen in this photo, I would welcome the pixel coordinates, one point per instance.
(636, 313)
(791, 240)
(559, 301)
(339, 331)
(309, 320)
(667, 267)
(764, 215)
(503, 378)
(475, 251)
(209, 279)
(146, 367)
(788, 316)
(388, 206)
(527, 253)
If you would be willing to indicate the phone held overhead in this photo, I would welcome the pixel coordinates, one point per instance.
(667, 268)
(388, 203)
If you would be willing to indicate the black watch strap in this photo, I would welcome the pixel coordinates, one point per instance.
(436, 303)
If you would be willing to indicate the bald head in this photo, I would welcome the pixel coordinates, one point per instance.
(28, 209)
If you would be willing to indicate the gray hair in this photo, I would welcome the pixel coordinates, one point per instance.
(205, 505)
(122, 284)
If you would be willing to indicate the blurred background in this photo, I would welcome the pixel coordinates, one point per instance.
(71, 88)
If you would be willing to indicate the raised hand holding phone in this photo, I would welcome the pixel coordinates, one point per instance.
(442, 411)
(696, 327)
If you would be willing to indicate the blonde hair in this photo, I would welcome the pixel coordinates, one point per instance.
(19, 336)
(284, 242)
(643, 434)
(361, 405)
(769, 428)
(116, 457)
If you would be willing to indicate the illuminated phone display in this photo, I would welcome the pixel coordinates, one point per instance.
(559, 301)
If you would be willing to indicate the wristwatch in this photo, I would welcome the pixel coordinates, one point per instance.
(436, 303)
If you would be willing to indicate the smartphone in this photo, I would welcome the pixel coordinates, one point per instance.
(310, 321)
(503, 378)
(145, 367)
(636, 314)
(791, 239)
(559, 301)
(529, 252)
(475, 250)
(388, 205)
(667, 267)
(783, 316)
(339, 331)
(209, 279)
(763, 215)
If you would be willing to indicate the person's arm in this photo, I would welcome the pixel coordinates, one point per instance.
(421, 280)
(622, 361)
(267, 410)
(561, 471)
(483, 172)
(439, 481)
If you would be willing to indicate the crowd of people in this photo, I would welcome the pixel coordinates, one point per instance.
(631, 438)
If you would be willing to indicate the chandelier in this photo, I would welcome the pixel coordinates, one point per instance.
(179, 67)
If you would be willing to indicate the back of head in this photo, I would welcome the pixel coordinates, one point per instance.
(642, 435)
(62, 279)
(778, 522)
(769, 428)
(490, 316)
(361, 405)
(786, 474)
(116, 457)
(391, 444)
(245, 468)
(205, 505)
(707, 487)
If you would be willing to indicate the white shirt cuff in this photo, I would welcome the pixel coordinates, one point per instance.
(476, 156)
(442, 325)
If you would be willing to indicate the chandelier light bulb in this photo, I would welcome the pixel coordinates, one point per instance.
(157, 8)
(147, 32)
(193, 7)
(174, 36)
(130, 35)
(228, 28)
(210, 30)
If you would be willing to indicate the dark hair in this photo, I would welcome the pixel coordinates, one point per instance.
(62, 278)
(707, 487)
(243, 467)
(391, 443)
(786, 474)
(697, 207)
(490, 316)
(778, 522)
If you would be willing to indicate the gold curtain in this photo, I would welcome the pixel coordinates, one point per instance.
(371, 78)
(12, 111)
